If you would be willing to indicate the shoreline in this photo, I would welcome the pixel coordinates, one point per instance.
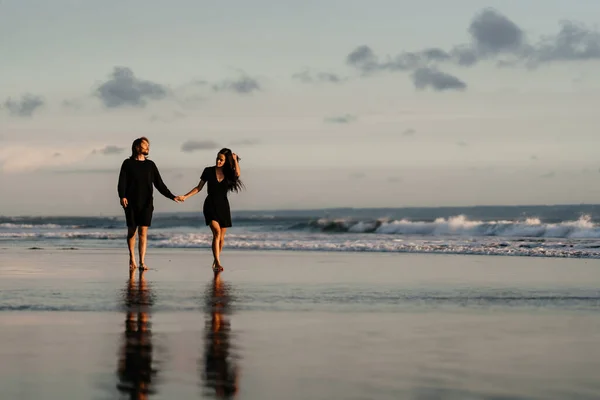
(327, 267)
(308, 251)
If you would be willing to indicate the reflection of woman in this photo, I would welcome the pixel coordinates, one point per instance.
(220, 372)
(135, 369)
(221, 178)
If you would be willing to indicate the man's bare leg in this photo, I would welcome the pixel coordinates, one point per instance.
(143, 236)
(131, 245)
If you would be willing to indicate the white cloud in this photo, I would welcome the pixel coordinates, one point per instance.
(20, 158)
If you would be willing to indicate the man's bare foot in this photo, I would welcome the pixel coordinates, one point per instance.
(143, 266)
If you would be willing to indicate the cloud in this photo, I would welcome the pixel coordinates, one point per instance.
(109, 150)
(199, 82)
(437, 80)
(245, 142)
(462, 143)
(243, 85)
(365, 60)
(19, 158)
(25, 107)
(494, 33)
(341, 119)
(491, 34)
(574, 42)
(307, 76)
(73, 104)
(195, 145)
(174, 116)
(409, 132)
(124, 89)
(548, 175)
(493, 37)
(87, 171)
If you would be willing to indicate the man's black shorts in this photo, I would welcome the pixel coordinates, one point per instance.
(138, 217)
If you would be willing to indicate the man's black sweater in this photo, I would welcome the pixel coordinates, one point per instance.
(136, 181)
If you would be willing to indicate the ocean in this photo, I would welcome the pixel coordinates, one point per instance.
(571, 231)
(319, 304)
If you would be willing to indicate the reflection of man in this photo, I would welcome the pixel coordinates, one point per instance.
(219, 372)
(137, 178)
(135, 365)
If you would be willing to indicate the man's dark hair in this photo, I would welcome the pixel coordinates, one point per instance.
(135, 146)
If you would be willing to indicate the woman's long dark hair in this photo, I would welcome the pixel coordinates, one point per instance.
(234, 183)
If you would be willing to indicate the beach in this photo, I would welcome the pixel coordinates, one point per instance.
(297, 325)
(400, 219)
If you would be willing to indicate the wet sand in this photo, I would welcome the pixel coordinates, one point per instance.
(297, 325)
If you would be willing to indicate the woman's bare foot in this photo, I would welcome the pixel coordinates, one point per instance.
(143, 266)
(132, 265)
(217, 267)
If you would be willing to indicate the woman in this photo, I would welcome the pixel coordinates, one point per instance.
(222, 178)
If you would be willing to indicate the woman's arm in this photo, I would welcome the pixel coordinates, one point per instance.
(195, 190)
(199, 186)
(236, 165)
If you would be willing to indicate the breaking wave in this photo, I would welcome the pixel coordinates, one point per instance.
(461, 226)
(544, 235)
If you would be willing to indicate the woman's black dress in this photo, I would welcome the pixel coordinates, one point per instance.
(216, 205)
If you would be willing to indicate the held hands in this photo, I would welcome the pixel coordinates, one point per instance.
(178, 199)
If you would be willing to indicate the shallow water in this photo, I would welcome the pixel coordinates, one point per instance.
(299, 325)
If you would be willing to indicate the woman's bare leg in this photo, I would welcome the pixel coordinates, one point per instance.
(216, 245)
(222, 241)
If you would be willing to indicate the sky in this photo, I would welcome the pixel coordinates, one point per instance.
(330, 103)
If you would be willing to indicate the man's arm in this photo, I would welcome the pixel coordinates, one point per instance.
(160, 185)
(122, 185)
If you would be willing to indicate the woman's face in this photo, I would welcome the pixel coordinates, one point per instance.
(220, 160)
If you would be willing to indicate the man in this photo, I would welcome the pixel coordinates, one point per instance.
(137, 177)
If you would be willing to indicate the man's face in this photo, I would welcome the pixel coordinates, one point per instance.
(144, 148)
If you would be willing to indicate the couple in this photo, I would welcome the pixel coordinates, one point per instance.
(139, 175)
